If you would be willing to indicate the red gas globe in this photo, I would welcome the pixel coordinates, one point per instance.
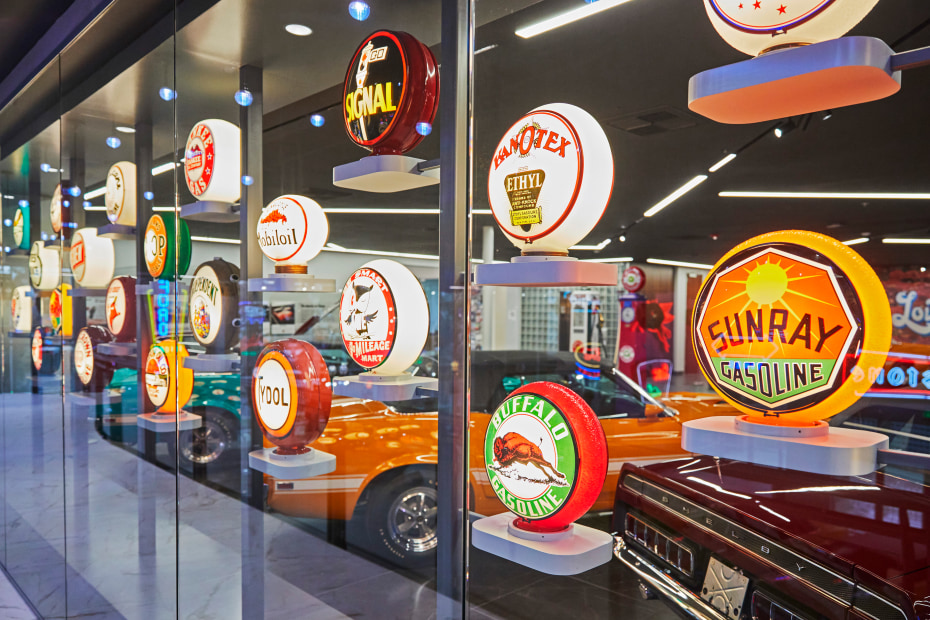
(391, 93)
(546, 456)
(291, 395)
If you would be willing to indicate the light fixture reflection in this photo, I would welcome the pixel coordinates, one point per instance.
(678, 193)
(567, 17)
(298, 30)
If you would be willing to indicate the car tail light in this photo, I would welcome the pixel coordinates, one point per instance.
(661, 545)
(764, 608)
(284, 486)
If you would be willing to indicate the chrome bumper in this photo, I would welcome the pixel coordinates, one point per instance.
(675, 594)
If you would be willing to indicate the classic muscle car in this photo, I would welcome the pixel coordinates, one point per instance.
(386, 453)
(720, 539)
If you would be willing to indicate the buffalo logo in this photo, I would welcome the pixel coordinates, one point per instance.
(530, 456)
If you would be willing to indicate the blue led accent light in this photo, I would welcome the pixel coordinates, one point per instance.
(44, 236)
(243, 97)
(359, 10)
(317, 120)
(7, 222)
(424, 128)
(167, 94)
(148, 195)
(74, 190)
(44, 167)
(247, 180)
(24, 203)
(87, 204)
(113, 142)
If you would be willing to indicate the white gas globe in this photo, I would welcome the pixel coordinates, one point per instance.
(120, 198)
(21, 307)
(92, 259)
(384, 317)
(44, 267)
(212, 161)
(550, 179)
(54, 209)
(292, 230)
(757, 26)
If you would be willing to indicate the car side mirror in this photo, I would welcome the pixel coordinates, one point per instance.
(653, 411)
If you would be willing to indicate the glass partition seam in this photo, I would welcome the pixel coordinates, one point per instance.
(454, 286)
(61, 385)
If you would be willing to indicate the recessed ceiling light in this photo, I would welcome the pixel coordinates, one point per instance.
(829, 195)
(723, 162)
(677, 263)
(299, 30)
(907, 241)
(125, 129)
(856, 241)
(567, 17)
(678, 193)
(621, 259)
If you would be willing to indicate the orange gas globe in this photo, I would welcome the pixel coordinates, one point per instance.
(291, 395)
(168, 383)
(785, 324)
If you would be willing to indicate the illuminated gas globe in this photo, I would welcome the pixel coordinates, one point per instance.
(21, 225)
(545, 453)
(213, 305)
(120, 198)
(60, 310)
(212, 161)
(58, 214)
(791, 327)
(167, 253)
(21, 308)
(291, 395)
(92, 259)
(44, 266)
(292, 230)
(93, 373)
(120, 308)
(550, 179)
(168, 383)
(758, 26)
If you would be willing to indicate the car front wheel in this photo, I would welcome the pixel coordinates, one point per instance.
(402, 519)
(215, 441)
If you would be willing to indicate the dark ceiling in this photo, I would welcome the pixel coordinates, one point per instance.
(627, 64)
(22, 24)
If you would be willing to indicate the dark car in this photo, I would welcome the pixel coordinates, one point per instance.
(721, 539)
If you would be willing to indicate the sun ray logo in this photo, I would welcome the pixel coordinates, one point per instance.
(531, 456)
(779, 326)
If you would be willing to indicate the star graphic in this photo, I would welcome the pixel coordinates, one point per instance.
(781, 9)
(757, 4)
(740, 5)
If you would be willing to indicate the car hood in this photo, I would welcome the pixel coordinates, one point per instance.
(877, 523)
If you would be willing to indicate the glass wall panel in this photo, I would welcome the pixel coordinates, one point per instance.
(33, 454)
(684, 192)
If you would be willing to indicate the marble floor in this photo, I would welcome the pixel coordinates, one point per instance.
(136, 541)
(12, 604)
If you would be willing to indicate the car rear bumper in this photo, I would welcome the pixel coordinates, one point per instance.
(680, 598)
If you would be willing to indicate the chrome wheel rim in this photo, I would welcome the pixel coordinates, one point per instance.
(412, 519)
(203, 445)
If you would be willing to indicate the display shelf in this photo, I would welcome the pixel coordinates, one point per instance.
(16, 334)
(292, 466)
(291, 283)
(546, 271)
(88, 292)
(18, 252)
(791, 81)
(168, 422)
(386, 174)
(383, 387)
(118, 349)
(819, 449)
(117, 231)
(211, 211)
(574, 551)
(95, 399)
(207, 362)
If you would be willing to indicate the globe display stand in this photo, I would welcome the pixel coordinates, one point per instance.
(386, 174)
(818, 449)
(383, 387)
(217, 362)
(118, 349)
(291, 283)
(796, 81)
(117, 231)
(576, 550)
(168, 422)
(211, 211)
(292, 466)
(535, 271)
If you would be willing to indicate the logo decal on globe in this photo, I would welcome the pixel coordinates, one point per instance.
(767, 16)
(20, 226)
(199, 159)
(54, 210)
(531, 456)
(116, 306)
(84, 357)
(282, 229)
(116, 193)
(633, 279)
(157, 376)
(275, 394)
(156, 245)
(780, 324)
(368, 317)
(204, 292)
(37, 342)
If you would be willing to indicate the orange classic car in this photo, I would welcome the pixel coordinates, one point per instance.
(387, 452)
